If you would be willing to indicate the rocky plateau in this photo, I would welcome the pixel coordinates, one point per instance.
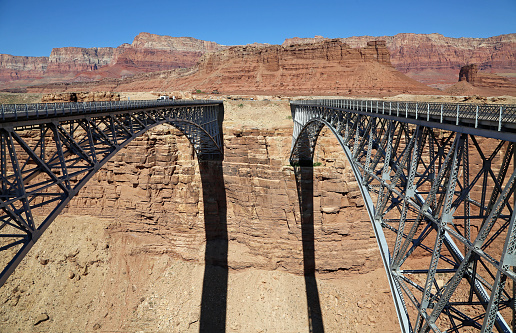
(435, 60)
(329, 67)
(147, 53)
(431, 59)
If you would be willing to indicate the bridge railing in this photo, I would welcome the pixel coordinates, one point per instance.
(10, 112)
(474, 115)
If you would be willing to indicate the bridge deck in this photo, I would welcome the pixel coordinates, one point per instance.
(496, 121)
(25, 114)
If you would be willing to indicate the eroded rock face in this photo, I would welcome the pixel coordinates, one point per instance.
(154, 186)
(431, 59)
(434, 58)
(18, 67)
(326, 67)
(146, 40)
(80, 97)
(72, 60)
(471, 74)
(468, 73)
(147, 53)
(415, 52)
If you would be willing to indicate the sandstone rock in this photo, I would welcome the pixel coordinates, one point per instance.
(21, 68)
(72, 60)
(471, 74)
(474, 82)
(41, 318)
(326, 67)
(147, 53)
(146, 40)
(262, 214)
(66, 97)
(434, 59)
(429, 58)
(468, 73)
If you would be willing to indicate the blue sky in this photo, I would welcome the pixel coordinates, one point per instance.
(33, 28)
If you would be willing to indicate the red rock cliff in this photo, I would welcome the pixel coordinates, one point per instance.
(146, 40)
(72, 60)
(326, 67)
(442, 57)
(471, 74)
(434, 58)
(18, 68)
(147, 53)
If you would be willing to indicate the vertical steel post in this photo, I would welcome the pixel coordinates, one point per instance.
(500, 119)
(476, 117)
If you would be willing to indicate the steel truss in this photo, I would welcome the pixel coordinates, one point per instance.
(47, 157)
(441, 205)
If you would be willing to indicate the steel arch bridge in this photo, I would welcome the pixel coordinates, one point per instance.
(50, 151)
(438, 182)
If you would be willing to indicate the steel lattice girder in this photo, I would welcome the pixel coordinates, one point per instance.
(46, 161)
(441, 205)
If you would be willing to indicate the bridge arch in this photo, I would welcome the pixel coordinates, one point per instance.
(433, 197)
(49, 153)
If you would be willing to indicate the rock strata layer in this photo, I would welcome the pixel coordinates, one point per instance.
(431, 59)
(80, 97)
(471, 74)
(329, 67)
(147, 53)
(154, 186)
(436, 59)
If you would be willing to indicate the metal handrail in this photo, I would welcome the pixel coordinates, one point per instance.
(437, 112)
(10, 112)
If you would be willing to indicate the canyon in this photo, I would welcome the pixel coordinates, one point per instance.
(127, 254)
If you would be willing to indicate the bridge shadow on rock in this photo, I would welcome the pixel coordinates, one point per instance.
(215, 283)
(305, 190)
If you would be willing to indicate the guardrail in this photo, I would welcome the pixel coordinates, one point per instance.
(14, 112)
(454, 113)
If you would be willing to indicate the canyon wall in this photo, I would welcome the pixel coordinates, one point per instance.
(471, 74)
(147, 53)
(146, 40)
(128, 253)
(19, 67)
(72, 60)
(434, 58)
(431, 59)
(416, 52)
(329, 67)
(154, 186)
